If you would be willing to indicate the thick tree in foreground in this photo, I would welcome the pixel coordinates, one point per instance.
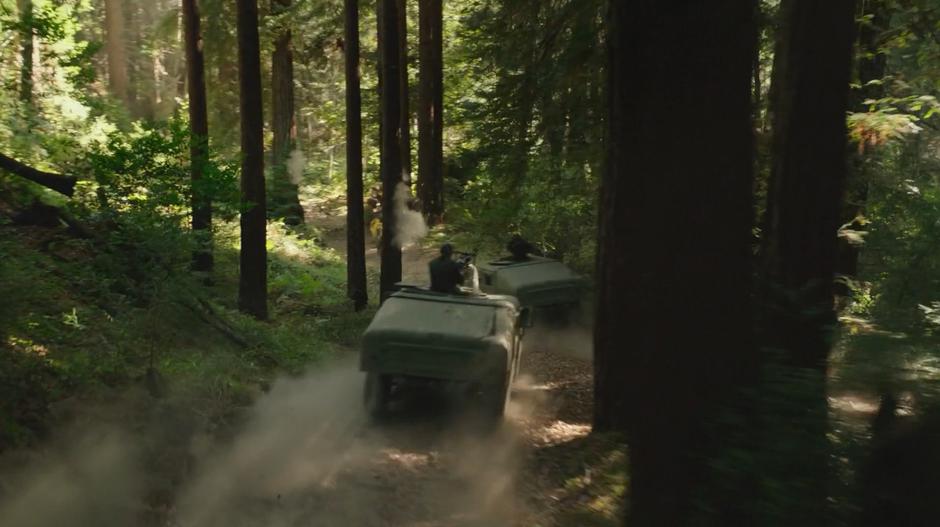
(871, 63)
(812, 72)
(284, 199)
(199, 129)
(430, 109)
(673, 326)
(355, 213)
(117, 57)
(253, 258)
(391, 167)
(808, 175)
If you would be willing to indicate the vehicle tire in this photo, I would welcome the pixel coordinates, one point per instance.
(376, 394)
(496, 399)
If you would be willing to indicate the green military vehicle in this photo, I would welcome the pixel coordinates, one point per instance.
(472, 340)
(540, 283)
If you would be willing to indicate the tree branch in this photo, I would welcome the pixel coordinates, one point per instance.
(56, 182)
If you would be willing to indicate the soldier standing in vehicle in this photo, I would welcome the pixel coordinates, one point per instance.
(446, 274)
(519, 248)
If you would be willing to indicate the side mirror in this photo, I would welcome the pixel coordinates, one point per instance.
(525, 317)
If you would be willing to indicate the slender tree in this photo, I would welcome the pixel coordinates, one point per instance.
(675, 235)
(391, 157)
(253, 279)
(285, 200)
(199, 131)
(117, 58)
(405, 104)
(355, 213)
(430, 108)
(26, 50)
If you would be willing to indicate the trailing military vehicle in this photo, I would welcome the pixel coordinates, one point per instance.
(471, 340)
(542, 284)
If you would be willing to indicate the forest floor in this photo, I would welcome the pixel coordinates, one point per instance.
(226, 444)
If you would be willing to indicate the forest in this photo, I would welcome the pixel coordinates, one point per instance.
(219, 220)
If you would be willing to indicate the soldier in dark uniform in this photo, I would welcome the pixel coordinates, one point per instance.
(520, 249)
(446, 274)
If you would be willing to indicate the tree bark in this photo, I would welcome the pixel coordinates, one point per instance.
(871, 64)
(675, 239)
(117, 58)
(57, 182)
(430, 111)
(253, 280)
(26, 50)
(199, 140)
(391, 156)
(404, 105)
(285, 200)
(808, 170)
(356, 285)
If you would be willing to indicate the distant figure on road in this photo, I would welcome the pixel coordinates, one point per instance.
(520, 249)
(446, 274)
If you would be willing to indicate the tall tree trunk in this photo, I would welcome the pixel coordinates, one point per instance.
(812, 72)
(430, 110)
(391, 143)
(285, 200)
(668, 388)
(117, 58)
(199, 128)
(356, 285)
(26, 50)
(253, 278)
(404, 105)
(871, 64)
(137, 76)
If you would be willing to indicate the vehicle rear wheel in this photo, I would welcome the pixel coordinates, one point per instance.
(376, 394)
(496, 399)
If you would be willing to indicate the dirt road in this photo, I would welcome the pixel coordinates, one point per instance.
(305, 454)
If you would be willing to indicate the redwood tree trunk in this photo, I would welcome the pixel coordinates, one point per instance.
(674, 244)
(253, 279)
(356, 286)
(405, 105)
(811, 79)
(199, 130)
(117, 58)
(391, 157)
(285, 201)
(871, 65)
(808, 173)
(26, 50)
(430, 108)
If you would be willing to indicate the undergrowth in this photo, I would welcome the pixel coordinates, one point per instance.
(81, 317)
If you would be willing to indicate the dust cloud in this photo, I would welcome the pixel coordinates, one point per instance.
(410, 224)
(92, 479)
(295, 166)
(576, 341)
(304, 454)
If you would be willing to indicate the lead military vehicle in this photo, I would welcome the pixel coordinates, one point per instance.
(472, 340)
(540, 283)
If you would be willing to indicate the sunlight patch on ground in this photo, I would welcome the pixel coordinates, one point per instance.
(853, 404)
(27, 346)
(560, 432)
(409, 460)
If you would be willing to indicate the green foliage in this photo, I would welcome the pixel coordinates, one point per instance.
(147, 172)
(526, 130)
